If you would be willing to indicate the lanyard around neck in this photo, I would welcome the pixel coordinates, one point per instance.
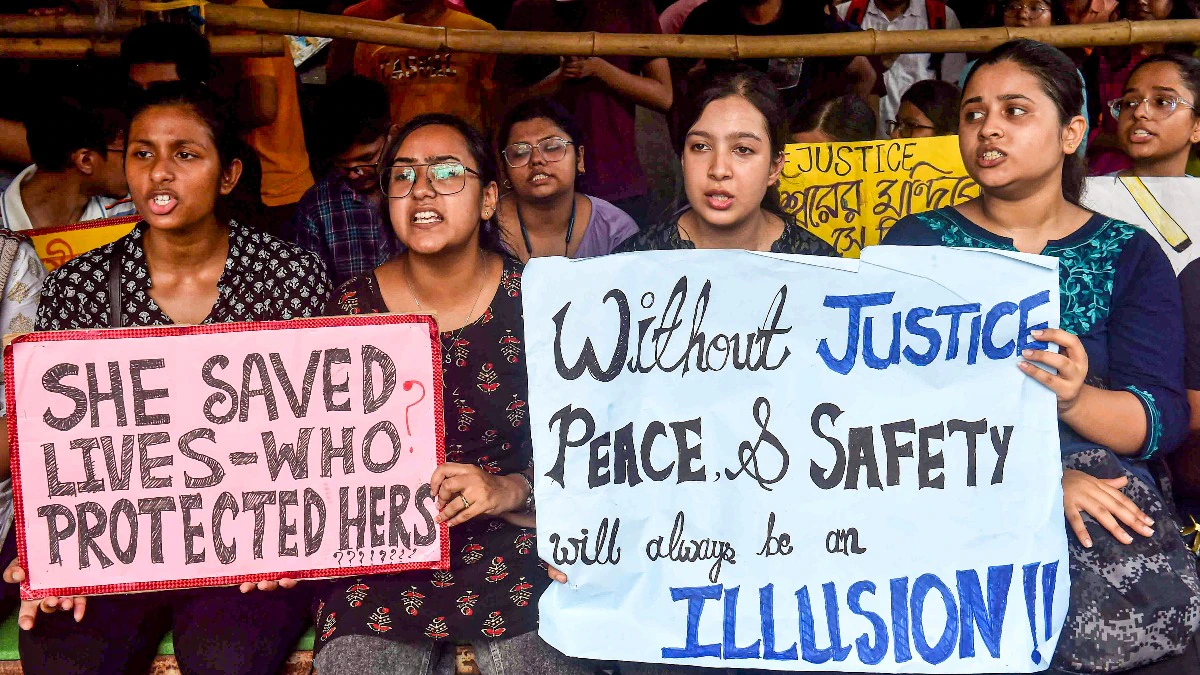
(566, 242)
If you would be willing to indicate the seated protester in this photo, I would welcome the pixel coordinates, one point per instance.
(601, 92)
(340, 218)
(165, 52)
(440, 180)
(1118, 376)
(545, 214)
(798, 79)
(732, 159)
(1157, 126)
(929, 108)
(23, 274)
(431, 80)
(844, 119)
(1110, 69)
(77, 173)
(905, 69)
(181, 264)
(1158, 116)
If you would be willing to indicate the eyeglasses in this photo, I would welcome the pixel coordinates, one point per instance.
(446, 178)
(1035, 10)
(1157, 107)
(905, 129)
(360, 170)
(552, 150)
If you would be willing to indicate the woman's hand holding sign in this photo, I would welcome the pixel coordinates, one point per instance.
(27, 615)
(465, 491)
(1071, 363)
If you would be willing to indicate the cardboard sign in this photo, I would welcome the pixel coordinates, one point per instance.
(1164, 207)
(796, 463)
(56, 246)
(850, 194)
(184, 456)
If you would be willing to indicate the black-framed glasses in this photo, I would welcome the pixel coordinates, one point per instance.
(1157, 107)
(1035, 9)
(446, 178)
(905, 129)
(359, 170)
(552, 149)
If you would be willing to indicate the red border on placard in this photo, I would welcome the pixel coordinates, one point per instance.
(81, 225)
(163, 331)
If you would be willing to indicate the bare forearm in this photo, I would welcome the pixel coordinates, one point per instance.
(651, 92)
(1114, 419)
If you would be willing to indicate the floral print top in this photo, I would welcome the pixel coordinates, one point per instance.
(1118, 293)
(495, 577)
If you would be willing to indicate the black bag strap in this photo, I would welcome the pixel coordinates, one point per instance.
(115, 317)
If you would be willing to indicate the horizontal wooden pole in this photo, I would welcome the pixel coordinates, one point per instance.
(68, 24)
(865, 43)
(82, 48)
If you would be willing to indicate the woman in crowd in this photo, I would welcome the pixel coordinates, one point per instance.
(1157, 126)
(1157, 117)
(840, 119)
(440, 181)
(1118, 376)
(732, 160)
(929, 108)
(544, 214)
(1111, 67)
(183, 264)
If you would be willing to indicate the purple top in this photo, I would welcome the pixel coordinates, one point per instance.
(607, 227)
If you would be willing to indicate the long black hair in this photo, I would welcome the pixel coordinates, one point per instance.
(1060, 81)
(489, 228)
(758, 91)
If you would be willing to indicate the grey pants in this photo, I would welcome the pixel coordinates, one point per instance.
(525, 654)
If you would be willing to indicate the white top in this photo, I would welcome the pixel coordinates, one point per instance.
(1177, 196)
(14, 217)
(908, 68)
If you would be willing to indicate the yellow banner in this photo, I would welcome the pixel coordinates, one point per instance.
(850, 194)
(58, 245)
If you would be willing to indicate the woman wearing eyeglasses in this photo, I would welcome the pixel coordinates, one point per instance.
(440, 183)
(1157, 125)
(542, 153)
(929, 108)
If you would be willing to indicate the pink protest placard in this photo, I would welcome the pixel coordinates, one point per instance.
(177, 457)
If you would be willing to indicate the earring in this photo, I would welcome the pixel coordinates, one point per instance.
(508, 183)
(487, 214)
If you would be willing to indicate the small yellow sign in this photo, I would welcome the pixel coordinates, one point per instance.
(850, 194)
(56, 246)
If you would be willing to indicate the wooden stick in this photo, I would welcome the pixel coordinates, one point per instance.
(82, 48)
(1121, 33)
(71, 24)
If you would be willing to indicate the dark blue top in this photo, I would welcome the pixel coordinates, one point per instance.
(1118, 293)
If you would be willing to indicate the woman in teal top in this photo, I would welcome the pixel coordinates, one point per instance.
(1119, 379)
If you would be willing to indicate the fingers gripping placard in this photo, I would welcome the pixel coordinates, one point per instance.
(793, 463)
(176, 457)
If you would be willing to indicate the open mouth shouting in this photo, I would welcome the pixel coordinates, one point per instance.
(426, 217)
(990, 157)
(162, 202)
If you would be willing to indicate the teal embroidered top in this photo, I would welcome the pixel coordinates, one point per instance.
(1118, 293)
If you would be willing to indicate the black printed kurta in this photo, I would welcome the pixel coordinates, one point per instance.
(265, 279)
(495, 577)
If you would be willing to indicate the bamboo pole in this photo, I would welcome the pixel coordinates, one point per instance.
(70, 24)
(867, 43)
(82, 48)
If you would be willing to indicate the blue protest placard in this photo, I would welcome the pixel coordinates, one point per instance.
(793, 463)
